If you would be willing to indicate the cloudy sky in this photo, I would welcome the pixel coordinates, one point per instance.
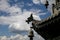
(13, 16)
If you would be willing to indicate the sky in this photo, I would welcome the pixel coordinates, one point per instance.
(13, 16)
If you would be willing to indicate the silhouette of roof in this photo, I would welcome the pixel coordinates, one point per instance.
(48, 28)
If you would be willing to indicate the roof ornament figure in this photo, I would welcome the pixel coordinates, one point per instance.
(46, 4)
(31, 34)
(29, 19)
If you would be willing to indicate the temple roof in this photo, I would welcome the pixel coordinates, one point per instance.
(48, 28)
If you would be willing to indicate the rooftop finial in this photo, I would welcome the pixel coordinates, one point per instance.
(46, 4)
(29, 19)
(31, 34)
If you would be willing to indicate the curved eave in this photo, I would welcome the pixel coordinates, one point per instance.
(48, 28)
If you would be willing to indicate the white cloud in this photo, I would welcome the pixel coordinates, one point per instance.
(16, 37)
(22, 26)
(4, 5)
(13, 10)
(43, 1)
(3, 38)
(36, 1)
(39, 1)
(20, 37)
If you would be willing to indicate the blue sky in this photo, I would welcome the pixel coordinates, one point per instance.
(13, 11)
(5, 31)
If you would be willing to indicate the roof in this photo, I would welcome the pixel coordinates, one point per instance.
(48, 28)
